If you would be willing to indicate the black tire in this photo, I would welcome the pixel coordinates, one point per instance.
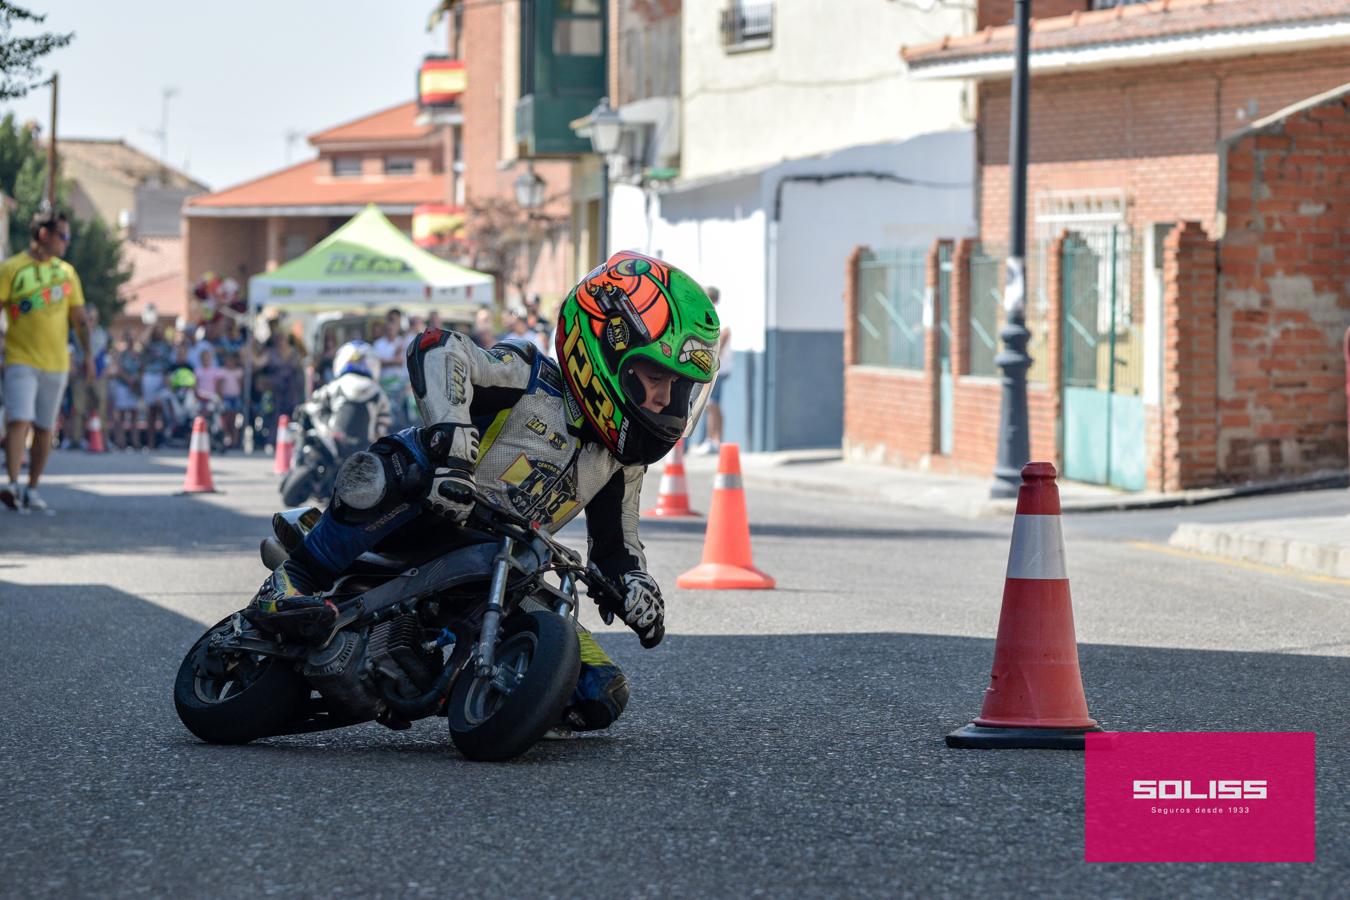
(254, 697)
(297, 487)
(489, 726)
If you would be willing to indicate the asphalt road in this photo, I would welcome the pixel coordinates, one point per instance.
(778, 743)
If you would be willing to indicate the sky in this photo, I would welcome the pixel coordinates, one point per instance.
(246, 72)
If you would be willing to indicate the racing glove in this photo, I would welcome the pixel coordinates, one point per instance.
(453, 451)
(643, 609)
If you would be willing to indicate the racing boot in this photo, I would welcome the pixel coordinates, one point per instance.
(601, 692)
(287, 605)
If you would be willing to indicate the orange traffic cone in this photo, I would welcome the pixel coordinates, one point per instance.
(198, 479)
(94, 435)
(1035, 695)
(672, 500)
(726, 547)
(285, 446)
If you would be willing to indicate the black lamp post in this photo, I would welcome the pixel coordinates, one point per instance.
(1014, 445)
(606, 129)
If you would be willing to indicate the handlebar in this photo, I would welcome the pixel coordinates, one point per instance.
(494, 519)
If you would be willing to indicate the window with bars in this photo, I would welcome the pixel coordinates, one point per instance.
(747, 26)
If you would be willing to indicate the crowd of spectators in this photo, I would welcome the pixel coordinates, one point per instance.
(139, 389)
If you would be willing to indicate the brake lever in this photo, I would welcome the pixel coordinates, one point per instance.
(600, 584)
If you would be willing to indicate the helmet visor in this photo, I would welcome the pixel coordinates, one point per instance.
(682, 409)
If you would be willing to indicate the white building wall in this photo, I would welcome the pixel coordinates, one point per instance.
(832, 78)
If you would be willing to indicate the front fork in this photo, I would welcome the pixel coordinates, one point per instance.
(485, 665)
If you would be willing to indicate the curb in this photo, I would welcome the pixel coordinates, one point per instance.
(1200, 496)
(1328, 560)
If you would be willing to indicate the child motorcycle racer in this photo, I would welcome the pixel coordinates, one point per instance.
(352, 404)
(636, 346)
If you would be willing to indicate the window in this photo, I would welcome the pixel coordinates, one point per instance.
(1112, 4)
(294, 245)
(398, 165)
(346, 166)
(747, 26)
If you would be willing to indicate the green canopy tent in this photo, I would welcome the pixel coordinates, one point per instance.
(366, 263)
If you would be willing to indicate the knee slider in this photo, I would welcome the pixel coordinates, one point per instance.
(372, 482)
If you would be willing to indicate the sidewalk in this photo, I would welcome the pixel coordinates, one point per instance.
(1317, 546)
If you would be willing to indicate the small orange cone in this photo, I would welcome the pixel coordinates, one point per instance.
(672, 500)
(94, 435)
(726, 547)
(285, 446)
(1035, 696)
(198, 478)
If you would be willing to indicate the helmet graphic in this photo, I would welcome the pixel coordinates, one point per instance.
(628, 318)
(358, 357)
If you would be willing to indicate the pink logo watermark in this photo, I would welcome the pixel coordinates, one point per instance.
(1202, 796)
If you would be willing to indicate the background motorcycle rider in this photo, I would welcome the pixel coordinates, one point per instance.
(636, 344)
(352, 404)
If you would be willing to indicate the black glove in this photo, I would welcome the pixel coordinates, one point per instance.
(453, 451)
(643, 609)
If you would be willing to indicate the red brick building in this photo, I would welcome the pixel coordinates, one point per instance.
(386, 158)
(487, 36)
(1187, 236)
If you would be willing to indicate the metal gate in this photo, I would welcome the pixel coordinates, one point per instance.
(944, 323)
(1102, 289)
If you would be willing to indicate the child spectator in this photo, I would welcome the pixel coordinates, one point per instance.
(230, 386)
(124, 380)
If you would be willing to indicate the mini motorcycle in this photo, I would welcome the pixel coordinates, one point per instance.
(475, 634)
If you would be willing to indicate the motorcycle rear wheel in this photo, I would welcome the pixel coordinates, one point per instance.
(249, 697)
(489, 725)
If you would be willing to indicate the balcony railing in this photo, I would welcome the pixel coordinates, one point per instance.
(747, 27)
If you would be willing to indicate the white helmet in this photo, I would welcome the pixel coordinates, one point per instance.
(358, 357)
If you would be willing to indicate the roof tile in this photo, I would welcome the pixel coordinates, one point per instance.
(1161, 18)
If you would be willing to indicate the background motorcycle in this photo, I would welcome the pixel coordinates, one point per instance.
(475, 634)
(321, 446)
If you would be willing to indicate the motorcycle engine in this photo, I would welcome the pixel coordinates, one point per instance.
(346, 671)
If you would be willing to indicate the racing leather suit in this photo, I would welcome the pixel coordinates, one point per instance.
(331, 401)
(535, 456)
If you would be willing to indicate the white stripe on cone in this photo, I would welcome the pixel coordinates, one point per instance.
(726, 482)
(200, 442)
(1037, 549)
(672, 484)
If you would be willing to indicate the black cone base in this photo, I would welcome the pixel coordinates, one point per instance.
(977, 737)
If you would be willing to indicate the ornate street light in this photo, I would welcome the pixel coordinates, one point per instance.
(529, 189)
(605, 129)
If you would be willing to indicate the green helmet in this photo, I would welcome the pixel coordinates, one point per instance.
(636, 308)
(182, 377)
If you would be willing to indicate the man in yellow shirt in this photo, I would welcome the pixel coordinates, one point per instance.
(42, 301)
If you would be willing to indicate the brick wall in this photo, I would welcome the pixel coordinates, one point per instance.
(1150, 132)
(1284, 296)
(1190, 345)
(993, 13)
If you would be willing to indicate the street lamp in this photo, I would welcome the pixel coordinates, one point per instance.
(1014, 446)
(529, 189)
(606, 129)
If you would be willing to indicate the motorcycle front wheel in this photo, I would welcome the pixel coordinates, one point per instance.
(495, 719)
(298, 486)
(234, 698)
